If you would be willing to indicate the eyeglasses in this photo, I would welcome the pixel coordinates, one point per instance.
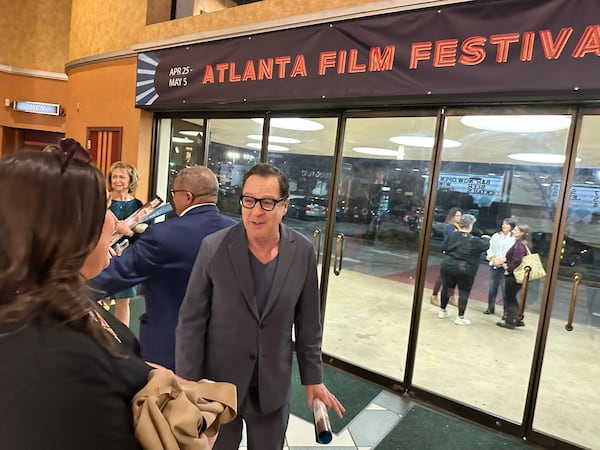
(266, 204)
(174, 191)
(72, 150)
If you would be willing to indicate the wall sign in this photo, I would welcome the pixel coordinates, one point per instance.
(500, 47)
(51, 109)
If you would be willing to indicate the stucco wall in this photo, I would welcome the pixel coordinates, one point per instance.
(114, 25)
(35, 34)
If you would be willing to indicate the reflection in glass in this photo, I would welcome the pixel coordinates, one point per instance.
(566, 404)
(482, 179)
(229, 158)
(379, 211)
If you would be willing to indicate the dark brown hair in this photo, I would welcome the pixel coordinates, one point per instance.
(269, 170)
(50, 221)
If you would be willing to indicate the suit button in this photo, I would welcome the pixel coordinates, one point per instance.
(252, 357)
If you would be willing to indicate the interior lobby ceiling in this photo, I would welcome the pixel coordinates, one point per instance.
(476, 144)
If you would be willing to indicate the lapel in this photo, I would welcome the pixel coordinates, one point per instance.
(240, 261)
(287, 251)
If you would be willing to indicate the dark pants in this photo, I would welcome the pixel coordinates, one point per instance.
(263, 431)
(496, 283)
(511, 291)
(450, 280)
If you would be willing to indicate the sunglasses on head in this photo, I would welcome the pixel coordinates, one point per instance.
(70, 149)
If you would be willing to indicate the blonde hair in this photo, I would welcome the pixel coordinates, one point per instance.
(134, 177)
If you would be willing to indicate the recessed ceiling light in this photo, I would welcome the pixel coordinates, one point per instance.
(293, 123)
(540, 158)
(275, 139)
(518, 124)
(421, 141)
(181, 140)
(191, 133)
(270, 147)
(375, 151)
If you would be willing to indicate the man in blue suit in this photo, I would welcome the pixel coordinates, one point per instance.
(250, 286)
(162, 259)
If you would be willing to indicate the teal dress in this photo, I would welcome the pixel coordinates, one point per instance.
(123, 209)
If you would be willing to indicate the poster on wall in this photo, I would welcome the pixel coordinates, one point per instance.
(472, 48)
(485, 189)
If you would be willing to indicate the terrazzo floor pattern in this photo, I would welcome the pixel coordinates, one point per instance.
(365, 431)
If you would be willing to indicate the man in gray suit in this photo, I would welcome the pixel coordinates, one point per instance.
(249, 285)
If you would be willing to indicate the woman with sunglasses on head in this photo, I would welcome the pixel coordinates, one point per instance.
(123, 179)
(70, 374)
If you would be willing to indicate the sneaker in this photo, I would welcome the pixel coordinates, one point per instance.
(462, 321)
(443, 314)
(508, 325)
(489, 311)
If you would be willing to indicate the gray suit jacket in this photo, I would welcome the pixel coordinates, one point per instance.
(220, 334)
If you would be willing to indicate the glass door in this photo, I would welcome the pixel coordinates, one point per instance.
(568, 405)
(508, 166)
(303, 148)
(380, 194)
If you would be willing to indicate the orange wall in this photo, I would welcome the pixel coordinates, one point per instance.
(103, 95)
(35, 34)
(123, 24)
(20, 87)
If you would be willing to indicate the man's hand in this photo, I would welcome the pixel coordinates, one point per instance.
(321, 392)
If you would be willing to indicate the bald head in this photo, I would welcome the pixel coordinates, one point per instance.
(194, 185)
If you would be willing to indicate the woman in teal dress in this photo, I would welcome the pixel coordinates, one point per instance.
(123, 179)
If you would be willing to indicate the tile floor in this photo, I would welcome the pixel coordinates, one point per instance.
(364, 432)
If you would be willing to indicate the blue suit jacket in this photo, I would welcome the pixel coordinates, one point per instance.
(161, 260)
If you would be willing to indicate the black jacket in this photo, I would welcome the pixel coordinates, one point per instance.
(463, 252)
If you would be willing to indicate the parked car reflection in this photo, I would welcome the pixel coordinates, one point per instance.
(307, 208)
(575, 253)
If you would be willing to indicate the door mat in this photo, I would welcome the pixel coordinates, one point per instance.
(423, 429)
(355, 394)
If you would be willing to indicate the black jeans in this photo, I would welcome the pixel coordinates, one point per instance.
(451, 280)
(511, 291)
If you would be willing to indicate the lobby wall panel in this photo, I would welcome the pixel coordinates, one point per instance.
(102, 95)
(20, 87)
(35, 34)
(114, 25)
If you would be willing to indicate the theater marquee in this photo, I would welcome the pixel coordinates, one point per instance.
(495, 48)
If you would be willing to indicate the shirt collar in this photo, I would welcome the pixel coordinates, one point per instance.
(189, 208)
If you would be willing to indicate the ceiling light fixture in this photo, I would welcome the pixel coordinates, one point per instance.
(191, 133)
(275, 139)
(181, 140)
(270, 147)
(293, 123)
(375, 151)
(539, 158)
(422, 141)
(518, 124)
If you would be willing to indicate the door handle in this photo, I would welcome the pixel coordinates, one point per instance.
(576, 280)
(524, 287)
(317, 240)
(339, 254)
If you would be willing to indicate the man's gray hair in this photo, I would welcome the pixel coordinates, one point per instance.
(466, 220)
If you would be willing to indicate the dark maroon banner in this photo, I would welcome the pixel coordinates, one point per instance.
(494, 47)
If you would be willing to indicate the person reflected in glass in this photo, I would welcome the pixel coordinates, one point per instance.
(123, 179)
(514, 256)
(462, 254)
(500, 243)
(450, 225)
